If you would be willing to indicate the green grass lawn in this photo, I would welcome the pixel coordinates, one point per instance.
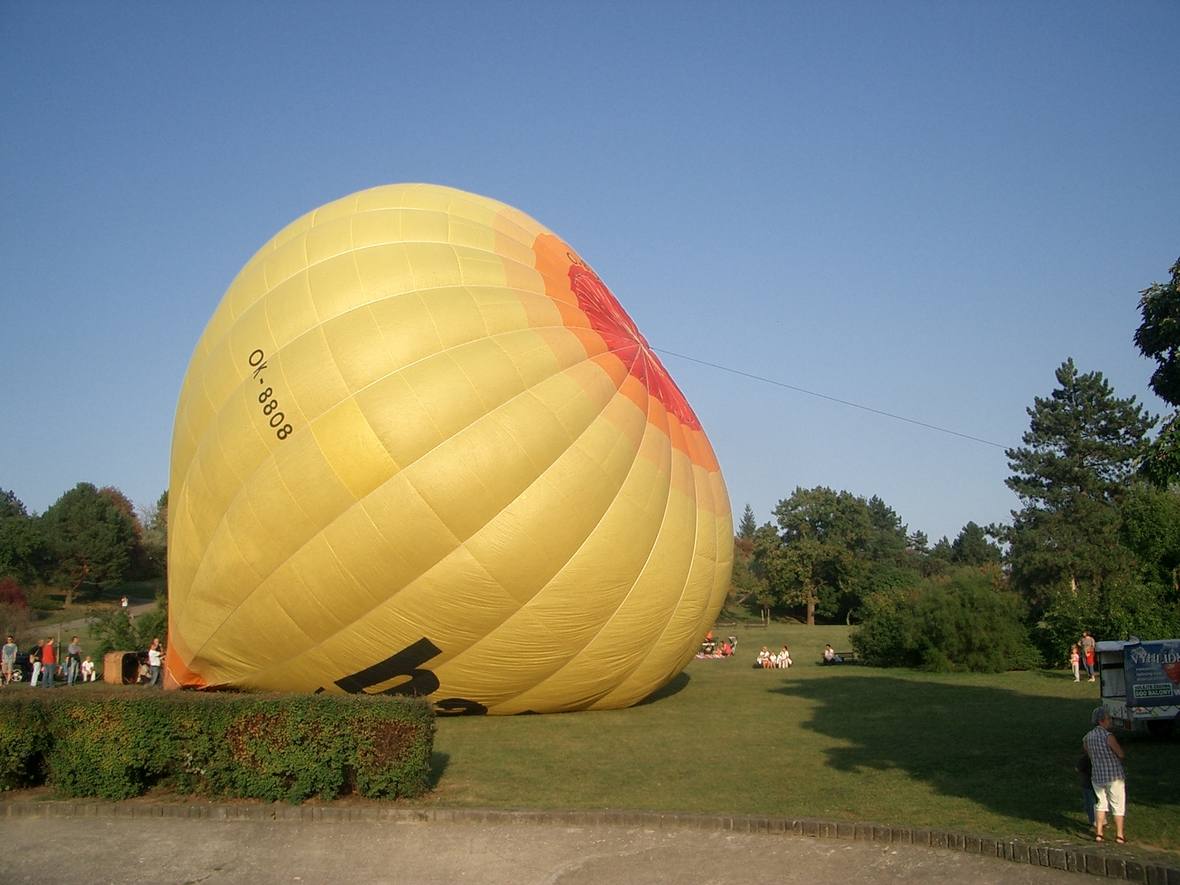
(983, 753)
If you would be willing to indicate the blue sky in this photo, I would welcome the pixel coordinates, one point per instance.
(923, 207)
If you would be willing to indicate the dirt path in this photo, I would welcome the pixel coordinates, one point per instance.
(61, 632)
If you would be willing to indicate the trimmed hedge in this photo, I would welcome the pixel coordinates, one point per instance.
(23, 734)
(116, 743)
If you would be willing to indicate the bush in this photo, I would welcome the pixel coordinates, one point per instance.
(113, 748)
(115, 630)
(117, 743)
(885, 635)
(14, 619)
(24, 731)
(12, 593)
(288, 752)
(961, 622)
(1145, 609)
(14, 606)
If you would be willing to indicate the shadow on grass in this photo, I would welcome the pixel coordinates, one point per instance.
(675, 685)
(1009, 752)
(438, 767)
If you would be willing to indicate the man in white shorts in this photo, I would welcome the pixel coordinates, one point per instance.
(1108, 775)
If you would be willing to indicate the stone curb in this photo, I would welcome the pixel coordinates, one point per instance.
(1071, 858)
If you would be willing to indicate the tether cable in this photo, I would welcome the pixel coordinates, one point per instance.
(833, 399)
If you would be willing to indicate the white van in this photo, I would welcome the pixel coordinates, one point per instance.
(1141, 683)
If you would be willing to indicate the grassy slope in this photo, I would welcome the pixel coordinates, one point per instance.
(990, 754)
(45, 623)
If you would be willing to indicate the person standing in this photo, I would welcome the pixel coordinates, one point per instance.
(1107, 774)
(1087, 644)
(155, 661)
(48, 663)
(1075, 660)
(8, 659)
(73, 660)
(34, 665)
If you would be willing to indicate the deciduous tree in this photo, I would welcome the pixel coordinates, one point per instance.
(155, 534)
(24, 554)
(91, 538)
(832, 549)
(1158, 338)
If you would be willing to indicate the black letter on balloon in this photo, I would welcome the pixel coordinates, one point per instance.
(405, 663)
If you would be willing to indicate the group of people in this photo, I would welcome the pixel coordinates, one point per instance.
(768, 660)
(711, 648)
(47, 664)
(1082, 654)
(1100, 767)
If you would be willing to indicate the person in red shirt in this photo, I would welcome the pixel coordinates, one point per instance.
(48, 663)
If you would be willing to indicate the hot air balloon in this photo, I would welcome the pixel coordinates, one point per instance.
(421, 448)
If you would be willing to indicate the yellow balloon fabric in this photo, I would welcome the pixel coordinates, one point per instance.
(421, 449)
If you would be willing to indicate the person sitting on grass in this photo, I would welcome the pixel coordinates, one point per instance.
(763, 660)
(783, 659)
(726, 649)
(88, 670)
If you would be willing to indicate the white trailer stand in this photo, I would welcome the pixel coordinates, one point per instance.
(1140, 683)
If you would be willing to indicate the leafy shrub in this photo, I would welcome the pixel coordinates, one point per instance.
(114, 748)
(14, 606)
(962, 622)
(24, 731)
(1144, 609)
(115, 743)
(12, 593)
(885, 635)
(265, 751)
(390, 760)
(114, 629)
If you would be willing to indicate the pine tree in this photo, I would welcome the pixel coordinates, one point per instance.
(747, 526)
(1082, 447)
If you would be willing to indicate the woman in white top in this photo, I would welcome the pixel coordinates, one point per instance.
(155, 661)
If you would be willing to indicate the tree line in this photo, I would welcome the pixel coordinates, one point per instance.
(1095, 543)
(88, 540)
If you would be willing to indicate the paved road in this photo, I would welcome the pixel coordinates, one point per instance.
(174, 850)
